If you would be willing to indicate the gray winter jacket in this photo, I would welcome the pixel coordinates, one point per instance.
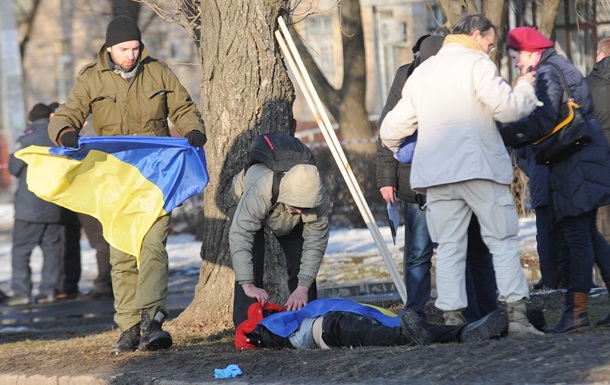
(300, 187)
(28, 207)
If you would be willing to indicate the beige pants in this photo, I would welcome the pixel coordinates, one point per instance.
(448, 212)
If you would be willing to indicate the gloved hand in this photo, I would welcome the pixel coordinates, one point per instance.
(196, 138)
(69, 138)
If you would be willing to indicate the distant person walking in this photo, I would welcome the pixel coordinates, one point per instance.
(37, 222)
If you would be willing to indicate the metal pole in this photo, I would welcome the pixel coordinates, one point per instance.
(313, 100)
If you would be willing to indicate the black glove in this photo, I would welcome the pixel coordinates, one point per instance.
(69, 139)
(196, 138)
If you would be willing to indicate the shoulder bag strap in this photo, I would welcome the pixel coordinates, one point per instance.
(564, 83)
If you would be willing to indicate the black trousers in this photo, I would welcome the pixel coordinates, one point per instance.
(70, 269)
(345, 329)
(292, 246)
(480, 276)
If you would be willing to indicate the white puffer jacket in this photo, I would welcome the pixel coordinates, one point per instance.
(454, 99)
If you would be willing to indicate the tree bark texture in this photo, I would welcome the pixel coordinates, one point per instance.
(245, 91)
(496, 11)
(347, 105)
(454, 9)
(547, 16)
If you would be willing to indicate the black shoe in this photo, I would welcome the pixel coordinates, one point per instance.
(153, 337)
(2, 296)
(413, 327)
(604, 321)
(536, 317)
(95, 295)
(128, 342)
(490, 326)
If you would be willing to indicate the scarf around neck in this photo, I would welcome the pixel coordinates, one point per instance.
(464, 40)
(126, 74)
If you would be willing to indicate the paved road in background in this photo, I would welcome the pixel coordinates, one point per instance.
(74, 313)
(98, 314)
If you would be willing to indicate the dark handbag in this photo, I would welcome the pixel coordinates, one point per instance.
(570, 134)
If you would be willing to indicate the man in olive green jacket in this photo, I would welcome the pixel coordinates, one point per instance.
(299, 221)
(128, 92)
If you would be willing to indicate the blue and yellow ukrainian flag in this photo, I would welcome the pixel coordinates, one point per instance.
(285, 323)
(126, 182)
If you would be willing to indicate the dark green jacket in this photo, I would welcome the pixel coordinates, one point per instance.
(120, 107)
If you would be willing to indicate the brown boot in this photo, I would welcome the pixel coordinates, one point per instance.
(519, 326)
(574, 316)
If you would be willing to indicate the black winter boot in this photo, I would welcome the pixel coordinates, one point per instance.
(413, 327)
(153, 337)
(490, 326)
(606, 320)
(574, 315)
(128, 342)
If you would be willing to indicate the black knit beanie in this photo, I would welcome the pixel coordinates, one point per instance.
(39, 111)
(121, 29)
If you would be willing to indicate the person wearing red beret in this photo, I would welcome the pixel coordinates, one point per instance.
(530, 44)
(579, 182)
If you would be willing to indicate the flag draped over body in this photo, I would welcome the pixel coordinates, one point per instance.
(126, 182)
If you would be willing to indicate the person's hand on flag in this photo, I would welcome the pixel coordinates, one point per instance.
(196, 138)
(68, 138)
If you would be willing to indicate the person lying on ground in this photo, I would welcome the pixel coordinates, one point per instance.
(333, 322)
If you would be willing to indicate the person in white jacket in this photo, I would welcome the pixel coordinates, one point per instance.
(454, 100)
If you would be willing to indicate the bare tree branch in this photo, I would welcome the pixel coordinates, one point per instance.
(29, 26)
(454, 9)
(185, 13)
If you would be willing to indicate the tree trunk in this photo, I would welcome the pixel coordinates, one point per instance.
(496, 11)
(547, 20)
(245, 91)
(353, 118)
(454, 9)
(347, 105)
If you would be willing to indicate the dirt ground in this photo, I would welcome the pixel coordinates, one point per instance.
(576, 358)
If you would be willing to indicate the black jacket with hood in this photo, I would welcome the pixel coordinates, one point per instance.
(599, 85)
(389, 171)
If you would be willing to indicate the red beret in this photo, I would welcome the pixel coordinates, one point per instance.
(527, 39)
